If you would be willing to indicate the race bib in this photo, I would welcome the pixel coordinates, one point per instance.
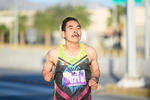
(74, 78)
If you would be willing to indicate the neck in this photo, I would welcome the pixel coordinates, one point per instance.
(72, 46)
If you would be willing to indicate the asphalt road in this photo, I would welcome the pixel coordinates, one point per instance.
(33, 87)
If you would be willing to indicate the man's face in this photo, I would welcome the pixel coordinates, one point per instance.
(72, 32)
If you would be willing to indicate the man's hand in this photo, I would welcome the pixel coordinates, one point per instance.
(48, 76)
(95, 72)
(93, 84)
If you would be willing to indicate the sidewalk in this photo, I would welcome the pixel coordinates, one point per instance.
(108, 84)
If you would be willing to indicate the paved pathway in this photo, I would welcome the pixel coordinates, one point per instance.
(21, 85)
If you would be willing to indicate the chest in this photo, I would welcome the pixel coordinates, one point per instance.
(81, 64)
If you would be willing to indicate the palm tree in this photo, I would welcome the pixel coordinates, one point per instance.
(3, 30)
(117, 31)
(80, 12)
(42, 22)
(120, 13)
(22, 28)
(50, 20)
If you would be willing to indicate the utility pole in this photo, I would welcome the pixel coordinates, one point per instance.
(147, 32)
(132, 79)
(132, 72)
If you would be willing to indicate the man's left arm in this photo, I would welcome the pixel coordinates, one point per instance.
(95, 72)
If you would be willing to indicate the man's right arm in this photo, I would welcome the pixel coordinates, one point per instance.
(47, 74)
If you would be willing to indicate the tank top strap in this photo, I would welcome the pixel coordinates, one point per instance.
(61, 51)
(62, 54)
(83, 51)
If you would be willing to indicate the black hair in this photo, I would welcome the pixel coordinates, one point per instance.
(63, 26)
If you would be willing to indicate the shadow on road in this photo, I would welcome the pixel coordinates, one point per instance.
(25, 87)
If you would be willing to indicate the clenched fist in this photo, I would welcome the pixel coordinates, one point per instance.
(48, 76)
(93, 84)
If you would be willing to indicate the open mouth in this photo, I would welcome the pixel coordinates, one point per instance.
(75, 35)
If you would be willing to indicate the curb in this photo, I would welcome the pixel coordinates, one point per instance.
(114, 89)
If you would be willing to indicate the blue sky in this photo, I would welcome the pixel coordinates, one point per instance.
(46, 1)
(107, 3)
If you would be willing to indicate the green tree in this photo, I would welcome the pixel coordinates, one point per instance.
(3, 30)
(50, 20)
(82, 14)
(110, 18)
(22, 28)
(61, 12)
(120, 13)
(43, 22)
(117, 31)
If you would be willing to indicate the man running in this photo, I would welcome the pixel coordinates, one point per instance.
(76, 67)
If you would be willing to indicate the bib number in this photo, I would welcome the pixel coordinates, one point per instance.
(74, 78)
